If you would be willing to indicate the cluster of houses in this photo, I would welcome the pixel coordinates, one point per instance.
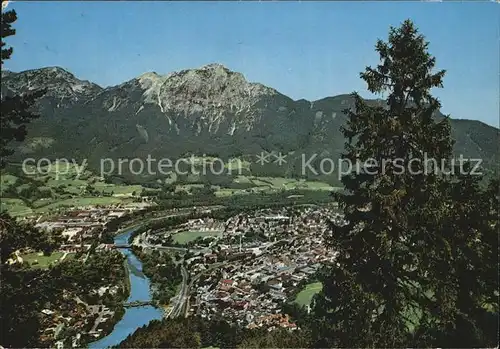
(199, 224)
(72, 322)
(248, 282)
(84, 224)
(68, 323)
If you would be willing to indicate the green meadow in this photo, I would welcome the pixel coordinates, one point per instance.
(305, 296)
(188, 236)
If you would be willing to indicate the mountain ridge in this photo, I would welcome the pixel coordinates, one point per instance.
(346, 95)
(207, 110)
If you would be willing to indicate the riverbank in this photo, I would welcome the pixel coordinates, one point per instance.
(150, 216)
(127, 276)
(163, 272)
(107, 327)
(139, 286)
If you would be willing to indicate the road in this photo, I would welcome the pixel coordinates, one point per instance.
(141, 242)
(181, 305)
(180, 212)
(181, 301)
(181, 297)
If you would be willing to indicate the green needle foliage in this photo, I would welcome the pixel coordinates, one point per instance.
(417, 259)
(15, 110)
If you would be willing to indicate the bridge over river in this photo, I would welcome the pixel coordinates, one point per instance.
(138, 304)
(122, 245)
(156, 247)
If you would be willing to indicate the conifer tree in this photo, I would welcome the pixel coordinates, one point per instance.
(466, 285)
(394, 279)
(15, 110)
(20, 288)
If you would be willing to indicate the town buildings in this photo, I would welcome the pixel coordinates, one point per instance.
(260, 261)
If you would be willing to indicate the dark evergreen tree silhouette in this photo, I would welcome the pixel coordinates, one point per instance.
(20, 288)
(16, 110)
(404, 261)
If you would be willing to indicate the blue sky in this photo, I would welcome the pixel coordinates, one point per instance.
(305, 50)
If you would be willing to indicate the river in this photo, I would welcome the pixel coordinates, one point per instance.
(139, 291)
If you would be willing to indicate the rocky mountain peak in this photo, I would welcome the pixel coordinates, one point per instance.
(57, 81)
(212, 85)
(210, 109)
(214, 66)
(212, 91)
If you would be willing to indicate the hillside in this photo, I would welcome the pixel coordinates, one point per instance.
(210, 110)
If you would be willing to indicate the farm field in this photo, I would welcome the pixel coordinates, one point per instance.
(15, 207)
(6, 181)
(283, 183)
(188, 236)
(38, 261)
(253, 184)
(118, 190)
(306, 295)
(58, 186)
(77, 202)
(271, 184)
